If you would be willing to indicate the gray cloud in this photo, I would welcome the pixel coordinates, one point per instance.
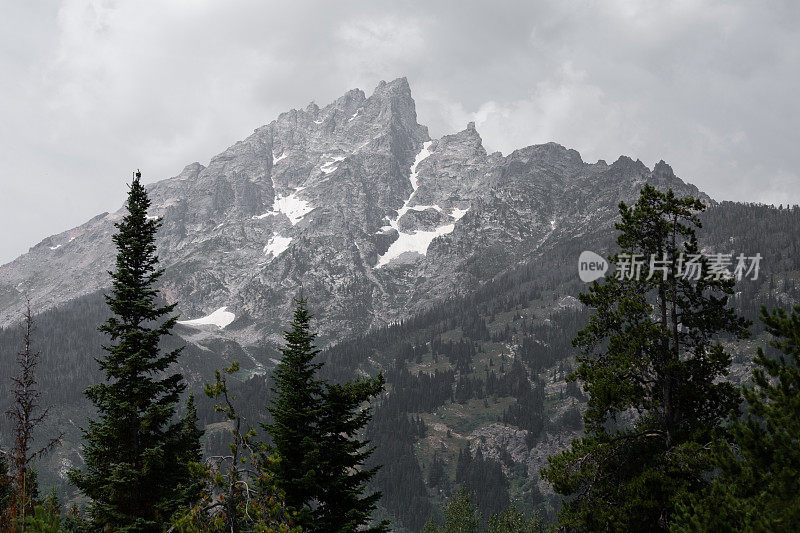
(93, 89)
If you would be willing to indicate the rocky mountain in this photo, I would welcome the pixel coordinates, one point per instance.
(352, 202)
(451, 269)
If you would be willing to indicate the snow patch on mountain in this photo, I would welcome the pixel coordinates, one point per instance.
(414, 241)
(458, 213)
(331, 165)
(425, 152)
(294, 207)
(277, 245)
(281, 157)
(422, 155)
(425, 208)
(220, 318)
(417, 242)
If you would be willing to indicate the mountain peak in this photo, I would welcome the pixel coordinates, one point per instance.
(468, 141)
(664, 169)
(398, 85)
(327, 193)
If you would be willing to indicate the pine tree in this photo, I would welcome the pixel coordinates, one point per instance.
(757, 487)
(234, 498)
(652, 364)
(188, 487)
(315, 435)
(136, 453)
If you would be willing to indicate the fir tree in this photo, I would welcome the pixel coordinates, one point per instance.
(652, 364)
(758, 483)
(189, 487)
(136, 453)
(315, 435)
(342, 503)
(297, 409)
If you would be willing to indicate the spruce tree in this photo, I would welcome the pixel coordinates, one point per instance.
(757, 486)
(343, 504)
(652, 364)
(315, 436)
(136, 452)
(297, 409)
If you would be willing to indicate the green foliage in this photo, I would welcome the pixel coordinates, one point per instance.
(74, 522)
(513, 521)
(315, 433)
(484, 480)
(343, 505)
(137, 456)
(652, 364)
(23, 497)
(296, 410)
(238, 493)
(6, 492)
(46, 517)
(460, 516)
(436, 475)
(758, 487)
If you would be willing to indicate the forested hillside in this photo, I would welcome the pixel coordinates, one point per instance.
(476, 391)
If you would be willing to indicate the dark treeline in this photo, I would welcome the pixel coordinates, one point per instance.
(485, 480)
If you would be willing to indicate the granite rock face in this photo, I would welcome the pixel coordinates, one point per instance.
(352, 202)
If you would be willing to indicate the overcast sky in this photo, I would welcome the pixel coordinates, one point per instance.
(93, 89)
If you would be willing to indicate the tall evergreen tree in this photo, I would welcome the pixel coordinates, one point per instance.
(652, 364)
(315, 434)
(136, 452)
(297, 409)
(757, 487)
(343, 505)
(189, 486)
